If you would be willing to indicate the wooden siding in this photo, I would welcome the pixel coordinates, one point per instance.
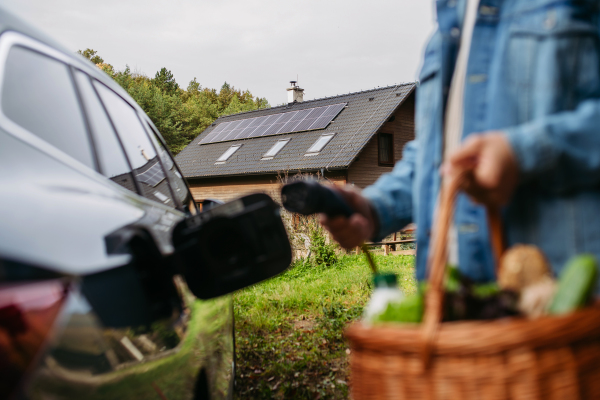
(366, 169)
(403, 126)
(233, 187)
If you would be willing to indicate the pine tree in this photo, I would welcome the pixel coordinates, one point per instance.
(165, 81)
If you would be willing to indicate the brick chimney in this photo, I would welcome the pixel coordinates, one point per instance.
(295, 94)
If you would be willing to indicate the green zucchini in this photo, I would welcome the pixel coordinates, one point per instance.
(576, 284)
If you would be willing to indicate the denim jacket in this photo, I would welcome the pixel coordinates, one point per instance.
(533, 73)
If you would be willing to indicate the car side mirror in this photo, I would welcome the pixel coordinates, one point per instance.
(232, 246)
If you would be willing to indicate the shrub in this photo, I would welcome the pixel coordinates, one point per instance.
(323, 253)
(306, 233)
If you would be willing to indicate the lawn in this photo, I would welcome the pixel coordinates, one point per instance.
(289, 330)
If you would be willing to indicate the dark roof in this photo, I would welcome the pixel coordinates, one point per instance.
(354, 126)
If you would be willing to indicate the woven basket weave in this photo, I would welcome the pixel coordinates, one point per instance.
(510, 358)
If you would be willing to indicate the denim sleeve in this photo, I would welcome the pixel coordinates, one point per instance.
(391, 194)
(561, 152)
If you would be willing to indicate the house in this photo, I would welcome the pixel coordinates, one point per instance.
(351, 138)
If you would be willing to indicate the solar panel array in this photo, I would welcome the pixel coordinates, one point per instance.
(153, 175)
(293, 121)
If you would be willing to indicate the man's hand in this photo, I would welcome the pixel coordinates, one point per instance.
(493, 167)
(353, 231)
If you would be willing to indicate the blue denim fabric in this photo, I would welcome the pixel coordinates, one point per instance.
(533, 73)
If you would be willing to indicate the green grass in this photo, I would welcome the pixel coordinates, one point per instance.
(289, 330)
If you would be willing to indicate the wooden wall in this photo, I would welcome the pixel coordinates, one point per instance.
(229, 188)
(366, 169)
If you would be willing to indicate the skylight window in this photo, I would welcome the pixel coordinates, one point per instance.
(319, 144)
(228, 153)
(280, 144)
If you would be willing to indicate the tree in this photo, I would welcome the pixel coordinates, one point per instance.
(109, 69)
(180, 115)
(91, 55)
(225, 96)
(165, 81)
(194, 86)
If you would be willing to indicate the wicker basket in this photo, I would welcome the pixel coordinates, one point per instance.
(511, 358)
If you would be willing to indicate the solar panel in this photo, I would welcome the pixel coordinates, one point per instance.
(229, 133)
(265, 124)
(239, 129)
(215, 132)
(310, 119)
(295, 120)
(255, 123)
(292, 121)
(153, 175)
(334, 109)
(277, 125)
(326, 117)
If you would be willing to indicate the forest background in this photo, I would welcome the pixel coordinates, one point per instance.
(179, 114)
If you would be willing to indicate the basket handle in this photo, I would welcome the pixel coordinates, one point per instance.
(438, 250)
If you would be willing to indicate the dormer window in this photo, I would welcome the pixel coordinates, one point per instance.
(319, 144)
(228, 153)
(280, 144)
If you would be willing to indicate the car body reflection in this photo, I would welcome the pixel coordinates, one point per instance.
(165, 360)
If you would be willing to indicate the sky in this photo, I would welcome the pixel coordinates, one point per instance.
(330, 46)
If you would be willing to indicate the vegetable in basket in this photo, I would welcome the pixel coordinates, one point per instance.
(465, 300)
(522, 266)
(524, 269)
(385, 294)
(409, 310)
(576, 285)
